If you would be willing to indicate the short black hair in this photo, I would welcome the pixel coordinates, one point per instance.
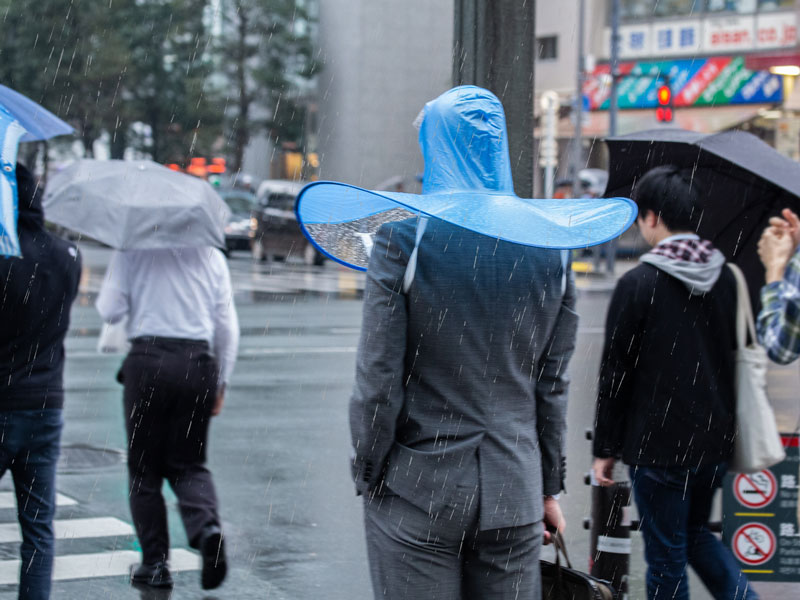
(672, 195)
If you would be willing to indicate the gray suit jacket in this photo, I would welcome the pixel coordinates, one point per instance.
(460, 392)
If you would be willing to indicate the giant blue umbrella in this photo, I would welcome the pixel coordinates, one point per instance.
(38, 122)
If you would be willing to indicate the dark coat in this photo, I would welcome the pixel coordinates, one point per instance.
(461, 383)
(37, 294)
(666, 391)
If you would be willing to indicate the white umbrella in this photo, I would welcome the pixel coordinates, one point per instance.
(136, 205)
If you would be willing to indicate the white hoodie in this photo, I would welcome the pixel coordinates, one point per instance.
(698, 277)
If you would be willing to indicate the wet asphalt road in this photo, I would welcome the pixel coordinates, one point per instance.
(279, 450)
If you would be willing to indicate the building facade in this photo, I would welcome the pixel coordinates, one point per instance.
(729, 64)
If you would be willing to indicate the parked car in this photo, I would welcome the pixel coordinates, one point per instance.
(238, 229)
(276, 233)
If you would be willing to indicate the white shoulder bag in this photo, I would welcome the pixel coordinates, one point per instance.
(758, 444)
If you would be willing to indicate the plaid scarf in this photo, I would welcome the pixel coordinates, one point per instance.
(687, 250)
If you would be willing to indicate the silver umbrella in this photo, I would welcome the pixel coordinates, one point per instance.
(136, 205)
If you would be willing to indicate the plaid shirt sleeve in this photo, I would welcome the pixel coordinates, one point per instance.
(778, 323)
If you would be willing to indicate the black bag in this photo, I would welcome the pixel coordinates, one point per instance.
(565, 583)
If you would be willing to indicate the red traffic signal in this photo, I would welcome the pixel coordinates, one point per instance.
(664, 109)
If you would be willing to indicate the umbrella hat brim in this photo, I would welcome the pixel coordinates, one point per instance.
(339, 219)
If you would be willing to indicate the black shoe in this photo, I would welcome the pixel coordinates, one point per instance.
(212, 549)
(156, 575)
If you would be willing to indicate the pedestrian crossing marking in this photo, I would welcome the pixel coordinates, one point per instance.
(101, 564)
(9, 500)
(69, 529)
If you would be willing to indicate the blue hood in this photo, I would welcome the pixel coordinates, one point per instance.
(465, 143)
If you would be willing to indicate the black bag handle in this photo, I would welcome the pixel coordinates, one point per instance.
(561, 548)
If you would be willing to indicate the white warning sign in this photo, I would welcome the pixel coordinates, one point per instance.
(755, 490)
(754, 544)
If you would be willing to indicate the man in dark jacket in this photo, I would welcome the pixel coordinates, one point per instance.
(666, 399)
(38, 290)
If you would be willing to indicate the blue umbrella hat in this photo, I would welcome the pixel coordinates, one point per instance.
(467, 182)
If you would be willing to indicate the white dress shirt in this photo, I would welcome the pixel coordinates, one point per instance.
(176, 292)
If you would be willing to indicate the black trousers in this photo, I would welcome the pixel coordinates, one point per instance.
(170, 387)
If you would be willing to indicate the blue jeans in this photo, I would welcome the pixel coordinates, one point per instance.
(29, 447)
(675, 505)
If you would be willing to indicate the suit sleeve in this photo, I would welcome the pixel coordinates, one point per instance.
(621, 347)
(378, 393)
(551, 393)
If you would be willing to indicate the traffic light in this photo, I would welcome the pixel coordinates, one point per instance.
(664, 109)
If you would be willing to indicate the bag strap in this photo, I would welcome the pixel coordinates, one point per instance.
(745, 324)
(561, 548)
(411, 267)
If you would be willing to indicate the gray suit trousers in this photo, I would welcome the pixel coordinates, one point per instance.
(413, 555)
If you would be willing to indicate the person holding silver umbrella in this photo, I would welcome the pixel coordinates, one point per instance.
(170, 284)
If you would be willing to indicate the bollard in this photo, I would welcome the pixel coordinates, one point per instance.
(611, 535)
(610, 526)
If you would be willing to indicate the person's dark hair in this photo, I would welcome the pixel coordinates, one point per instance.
(672, 195)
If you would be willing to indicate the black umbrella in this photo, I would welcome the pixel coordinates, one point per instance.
(742, 180)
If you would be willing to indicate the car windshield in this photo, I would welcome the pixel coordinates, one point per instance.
(239, 203)
(281, 201)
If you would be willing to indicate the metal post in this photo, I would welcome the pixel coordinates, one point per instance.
(577, 153)
(494, 47)
(610, 526)
(548, 145)
(611, 536)
(612, 109)
(611, 247)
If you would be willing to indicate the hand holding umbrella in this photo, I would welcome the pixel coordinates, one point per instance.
(790, 223)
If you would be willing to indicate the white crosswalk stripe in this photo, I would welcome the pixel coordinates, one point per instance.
(109, 563)
(9, 500)
(100, 564)
(70, 529)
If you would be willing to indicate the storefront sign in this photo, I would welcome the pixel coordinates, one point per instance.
(759, 519)
(684, 37)
(776, 31)
(729, 33)
(634, 40)
(711, 35)
(695, 82)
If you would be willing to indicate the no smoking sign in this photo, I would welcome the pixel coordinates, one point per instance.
(754, 544)
(755, 490)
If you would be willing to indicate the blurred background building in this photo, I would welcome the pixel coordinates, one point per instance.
(382, 61)
(729, 63)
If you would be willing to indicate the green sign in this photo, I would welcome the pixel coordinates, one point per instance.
(759, 518)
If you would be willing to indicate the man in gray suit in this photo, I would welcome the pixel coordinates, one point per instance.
(458, 412)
